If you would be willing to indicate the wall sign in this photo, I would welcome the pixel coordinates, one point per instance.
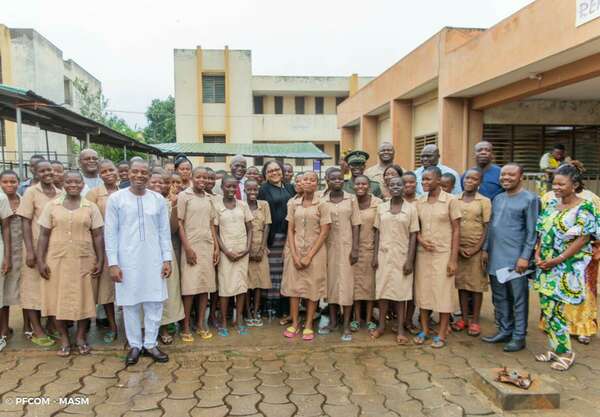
(587, 10)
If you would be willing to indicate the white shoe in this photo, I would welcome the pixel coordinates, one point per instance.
(2, 343)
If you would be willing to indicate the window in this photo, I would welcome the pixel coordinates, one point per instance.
(338, 154)
(278, 105)
(319, 105)
(68, 91)
(420, 142)
(213, 88)
(258, 104)
(214, 139)
(299, 162)
(299, 105)
(259, 161)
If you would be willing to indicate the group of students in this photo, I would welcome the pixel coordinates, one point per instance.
(344, 245)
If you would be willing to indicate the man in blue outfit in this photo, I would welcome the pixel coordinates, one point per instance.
(490, 173)
(510, 244)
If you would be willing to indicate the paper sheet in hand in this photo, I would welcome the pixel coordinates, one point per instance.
(507, 274)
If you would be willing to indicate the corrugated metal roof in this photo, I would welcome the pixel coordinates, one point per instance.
(305, 150)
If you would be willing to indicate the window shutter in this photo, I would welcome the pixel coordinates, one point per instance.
(420, 142)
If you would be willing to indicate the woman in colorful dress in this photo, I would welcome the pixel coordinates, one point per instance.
(562, 255)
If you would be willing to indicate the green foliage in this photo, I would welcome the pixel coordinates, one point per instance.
(161, 121)
(94, 105)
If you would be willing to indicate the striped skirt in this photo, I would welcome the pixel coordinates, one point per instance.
(273, 299)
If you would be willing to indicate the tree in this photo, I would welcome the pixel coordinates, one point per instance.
(94, 105)
(161, 121)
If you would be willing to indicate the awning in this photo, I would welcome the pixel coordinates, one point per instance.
(39, 111)
(304, 150)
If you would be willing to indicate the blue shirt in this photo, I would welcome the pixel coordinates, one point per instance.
(490, 182)
(511, 233)
(457, 187)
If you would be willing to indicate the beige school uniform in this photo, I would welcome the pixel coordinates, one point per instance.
(364, 274)
(340, 274)
(310, 282)
(375, 173)
(104, 287)
(68, 294)
(198, 214)
(233, 276)
(394, 239)
(31, 207)
(173, 305)
(5, 213)
(12, 280)
(470, 274)
(258, 272)
(434, 289)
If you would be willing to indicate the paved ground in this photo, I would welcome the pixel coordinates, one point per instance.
(263, 374)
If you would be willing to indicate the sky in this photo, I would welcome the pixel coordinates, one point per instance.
(128, 44)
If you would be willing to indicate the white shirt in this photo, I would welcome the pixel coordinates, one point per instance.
(137, 236)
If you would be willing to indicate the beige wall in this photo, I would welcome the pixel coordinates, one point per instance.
(425, 118)
(294, 127)
(384, 129)
(550, 112)
(240, 96)
(186, 103)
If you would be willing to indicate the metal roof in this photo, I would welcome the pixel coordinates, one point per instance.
(303, 150)
(39, 111)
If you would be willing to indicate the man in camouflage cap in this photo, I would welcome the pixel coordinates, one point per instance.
(356, 160)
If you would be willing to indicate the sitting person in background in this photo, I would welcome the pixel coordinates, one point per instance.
(549, 163)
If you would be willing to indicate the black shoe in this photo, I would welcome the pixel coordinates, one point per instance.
(497, 338)
(156, 354)
(132, 356)
(514, 345)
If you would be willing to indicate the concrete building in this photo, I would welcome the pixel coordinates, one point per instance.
(30, 61)
(528, 82)
(219, 100)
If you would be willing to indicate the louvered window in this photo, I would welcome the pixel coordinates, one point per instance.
(214, 139)
(420, 142)
(213, 89)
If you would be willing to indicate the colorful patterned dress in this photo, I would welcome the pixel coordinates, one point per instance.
(564, 283)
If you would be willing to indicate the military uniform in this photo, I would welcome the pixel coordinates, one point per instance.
(360, 158)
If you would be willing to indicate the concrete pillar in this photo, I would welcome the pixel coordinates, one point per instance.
(368, 138)
(453, 132)
(401, 124)
(347, 139)
(475, 134)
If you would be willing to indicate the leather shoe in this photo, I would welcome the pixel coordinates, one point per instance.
(497, 338)
(156, 354)
(514, 345)
(133, 356)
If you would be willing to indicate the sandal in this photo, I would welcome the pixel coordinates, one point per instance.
(324, 331)
(584, 340)
(187, 337)
(291, 332)
(285, 320)
(84, 349)
(412, 329)
(28, 335)
(546, 357)
(204, 334)
(63, 351)
(376, 334)
(346, 337)
(438, 343)
(43, 341)
(371, 326)
(563, 363)
(166, 339)
(223, 332)
(308, 335)
(258, 322)
(354, 326)
(420, 338)
(2, 343)
(242, 330)
(109, 337)
(459, 325)
(474, 329)
(402, 340)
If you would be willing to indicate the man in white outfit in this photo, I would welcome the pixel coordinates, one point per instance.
(138, 248)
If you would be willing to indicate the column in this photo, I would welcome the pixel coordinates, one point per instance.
(368, 138)
(401, 124)
(346, 139)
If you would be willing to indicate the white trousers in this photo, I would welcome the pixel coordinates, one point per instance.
(151, 314)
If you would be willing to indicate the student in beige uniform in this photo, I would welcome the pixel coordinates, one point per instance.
(70, 255)
(471, 278)
(437, 255)
(364, 273)
(410, 196)
(104, 287)
(173, 311)
(396, 224)
(305, 276)
(9, 181)
(30, 209)
(342, 251)
(200, 252)
(259, 276)
(233, 221)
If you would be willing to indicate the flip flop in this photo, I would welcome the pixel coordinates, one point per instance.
(63, 351)
(308, 335)
(204, 334)
(354, 326)
(242, 330)
(420, 338)
(28, 335)
(474, 329)
(223, 332)
(371, 326)
(187, 337)
(459, 325)
(166, 339)
(402, 340)
(376, 334)
(285, 321)
(346, 337)
(84, 349)
(43, 341)
(291, 332)
(2, 343)
(438, 343)
(324, 331)
(109, 337)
